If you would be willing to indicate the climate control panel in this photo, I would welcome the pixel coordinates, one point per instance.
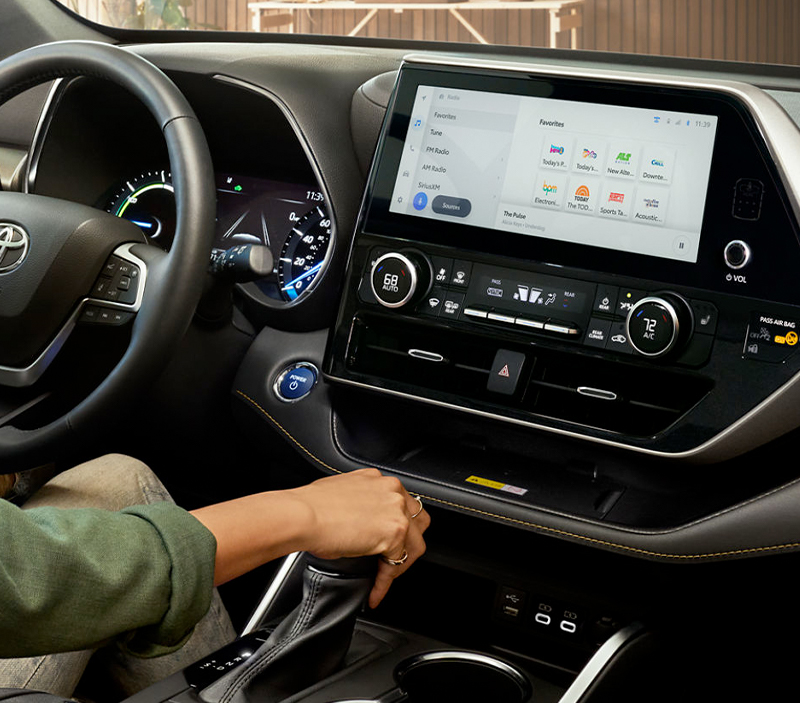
(617, 319)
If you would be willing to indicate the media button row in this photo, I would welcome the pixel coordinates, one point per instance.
(541, 324)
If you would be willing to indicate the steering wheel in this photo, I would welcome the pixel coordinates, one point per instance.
(61, 263)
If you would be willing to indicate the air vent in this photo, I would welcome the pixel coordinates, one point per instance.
(420, 358)
(450, 366)
(625, 398)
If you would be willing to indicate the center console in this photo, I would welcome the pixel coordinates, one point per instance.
(600, 256)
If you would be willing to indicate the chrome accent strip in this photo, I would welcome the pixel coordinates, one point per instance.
(21, 377)
(425, 355)
(471, 657)
(525, 322)
(597, 393)
(499, 317)
(560, 329)
(37, 143)
(688, 454)
(22, 409)
(599, 661)
(472, 312)
(275, 586)
(312, 160)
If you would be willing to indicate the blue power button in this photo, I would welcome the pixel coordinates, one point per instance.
(295, 382)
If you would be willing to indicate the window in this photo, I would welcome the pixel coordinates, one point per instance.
(741, 30)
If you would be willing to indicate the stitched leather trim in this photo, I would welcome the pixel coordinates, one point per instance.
(535, 526)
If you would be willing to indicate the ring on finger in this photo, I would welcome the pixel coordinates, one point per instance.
(419, 500)
(396, 562)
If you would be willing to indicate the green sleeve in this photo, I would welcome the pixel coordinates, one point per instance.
(71, 579)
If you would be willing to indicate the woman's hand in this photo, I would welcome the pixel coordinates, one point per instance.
(354, 514)
(364, 512)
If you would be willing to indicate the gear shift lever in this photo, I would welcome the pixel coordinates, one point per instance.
(310, 643)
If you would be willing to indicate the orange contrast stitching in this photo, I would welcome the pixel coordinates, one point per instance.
(543, 528)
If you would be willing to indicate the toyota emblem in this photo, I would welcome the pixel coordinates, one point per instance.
(14, 242)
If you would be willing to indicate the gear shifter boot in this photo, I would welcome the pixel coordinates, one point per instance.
(310, 643)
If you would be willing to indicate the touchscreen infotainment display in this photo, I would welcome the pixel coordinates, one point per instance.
(610, 176)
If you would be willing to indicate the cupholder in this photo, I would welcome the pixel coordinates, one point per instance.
(461, 677)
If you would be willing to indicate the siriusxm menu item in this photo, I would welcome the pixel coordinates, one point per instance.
(624, 178)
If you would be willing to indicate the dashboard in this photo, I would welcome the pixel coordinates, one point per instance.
(593, 258)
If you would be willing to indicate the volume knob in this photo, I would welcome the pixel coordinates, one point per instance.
(395, 279)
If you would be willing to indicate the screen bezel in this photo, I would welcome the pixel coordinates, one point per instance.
(738, 152)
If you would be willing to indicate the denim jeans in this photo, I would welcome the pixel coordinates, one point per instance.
(111, 482)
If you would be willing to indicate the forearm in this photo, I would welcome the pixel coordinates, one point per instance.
(255, 529)
(354, 514)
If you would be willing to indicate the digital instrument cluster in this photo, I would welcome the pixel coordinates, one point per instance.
(289, 218)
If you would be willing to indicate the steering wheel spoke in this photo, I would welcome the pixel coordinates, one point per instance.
(68, 265)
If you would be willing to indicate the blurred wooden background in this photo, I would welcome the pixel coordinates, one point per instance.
(742, 30)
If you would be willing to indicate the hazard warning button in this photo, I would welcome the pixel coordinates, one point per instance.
(506, 369)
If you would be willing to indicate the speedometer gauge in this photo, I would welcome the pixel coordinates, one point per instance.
(303, 253)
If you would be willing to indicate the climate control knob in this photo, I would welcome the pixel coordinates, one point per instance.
(658, 324)
(397, 278)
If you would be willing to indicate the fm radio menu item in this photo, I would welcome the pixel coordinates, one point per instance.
(623, 178)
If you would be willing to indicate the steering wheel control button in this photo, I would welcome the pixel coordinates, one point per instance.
(653, 326)
(505, 373)
(737, 254)
(394, 280)
(93, 314)
(101, 287)
(118, 282)
(295, 382)
(89, 314)
(748, 194)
